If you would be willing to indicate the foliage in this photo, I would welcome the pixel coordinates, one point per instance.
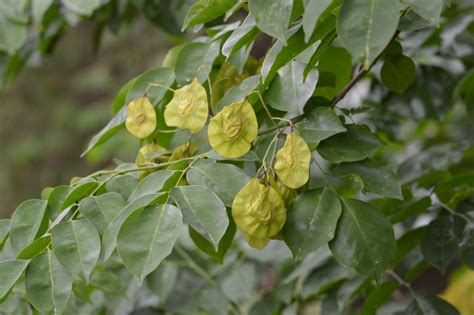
(347, 199)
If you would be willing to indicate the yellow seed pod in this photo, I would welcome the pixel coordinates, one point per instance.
(183, 151)
(254, 242)
(292, 161)
(141, 117)
(258, 210)
(287, 194)
(143, 156)
(189, 108)
(233, 129)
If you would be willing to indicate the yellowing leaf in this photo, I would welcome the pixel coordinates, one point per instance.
(183, 151)
(233, 129)
(141, 117)
(189, 108)
(145, 152)
(258, 210)
(292, 161)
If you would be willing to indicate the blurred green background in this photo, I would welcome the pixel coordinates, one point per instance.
(49, 113)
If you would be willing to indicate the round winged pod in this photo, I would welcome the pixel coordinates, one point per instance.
(189, 108)
(233, 129)
(292, 161)
(141, 117)
(254, 242)
(145, 154)
(183, 151)
(258, 210)
(287, 194)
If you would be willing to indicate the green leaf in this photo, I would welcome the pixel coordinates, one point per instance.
(147, 237)
(364, 239)
(123, 185)
(203, 211)
(195, 60)
(205, 11)
(56, 199)
(242, 36)
(108, 131)
(109, 240)
(356, 144)
(161, 76)
(376, 176)
(35, 248)
(272, 17)
(77, 246)
(465, 91)
(27, 223)
(240, 283)
(398, 73)
(10, 271)
(121, 98)
(237, 93)
(82, 7)
(366, 27)
(324, 279)
(39, 8)
(12, 34)
(215, 177)
(151, 184)
(430, 305)
(321, 123)
(408, 242)
(335, 63)
(280, 54)
(102, 209)
(381, 294)
(162, 281)
(106, 281)
(313, 9)
(429, 10)
(290, 91)
(439, 245)
(48, 285)
(467, 246)
(204, 245)
(413, 208)
(78, 192)
(4, 228)
(311, 221)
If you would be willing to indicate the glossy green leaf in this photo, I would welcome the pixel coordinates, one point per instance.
(10, 271)
(121, 98)
(161, 76)
(109, 240)
(366, 27)
(335, 70)
(77, 246)
(102, 209)
(280, 54)
(78, 192)
(35, 248)
(311, 221)
(147, 236)
(237, 93)
(324, 279)
(82, 7)
(56, 199)
(28, 222)
(205, 11)
(203, 211)
(321, 123)
(12, 34)
(215, 177)
(123, 185)
(313, 9)
(429, 10)
(272, 17)
(48, 284)
(398, 73)
(195, 60)
(381, 294)
(430, 305)
(106, 281)
(4, 229)
(364, 239)
(38, 8)
(377, 177)
(439, 244)
(153, 183)
(242, 36)
(356, 144)
(467, 246)
(290, 91)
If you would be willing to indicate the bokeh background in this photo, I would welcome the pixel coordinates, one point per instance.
(51, 110)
